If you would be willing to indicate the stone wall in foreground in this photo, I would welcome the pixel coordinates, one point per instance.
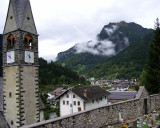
(106, 115)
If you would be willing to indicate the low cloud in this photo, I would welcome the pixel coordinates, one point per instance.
(105, 47)
(111, 30)
(126, 41)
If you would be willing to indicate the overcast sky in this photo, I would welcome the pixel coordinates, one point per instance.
(62, 23)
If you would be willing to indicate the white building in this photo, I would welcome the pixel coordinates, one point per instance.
(55, 93)
(79, 99)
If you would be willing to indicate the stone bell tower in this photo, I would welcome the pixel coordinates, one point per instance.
(20, 65)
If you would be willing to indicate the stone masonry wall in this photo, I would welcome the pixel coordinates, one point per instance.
(106, 115)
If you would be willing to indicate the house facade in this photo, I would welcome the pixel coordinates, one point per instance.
(80, 99)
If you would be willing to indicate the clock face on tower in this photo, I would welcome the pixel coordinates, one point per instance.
(29, 57)
(10, 57)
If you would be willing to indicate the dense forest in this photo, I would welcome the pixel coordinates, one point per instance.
(52, 75)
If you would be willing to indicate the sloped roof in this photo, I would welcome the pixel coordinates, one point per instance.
(56, 91)
(93, 92)
(19, 7)
(117, 95)
(122, 84)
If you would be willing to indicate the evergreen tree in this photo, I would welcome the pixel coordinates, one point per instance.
(151, 73)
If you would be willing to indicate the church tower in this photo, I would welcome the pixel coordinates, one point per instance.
(20, 65)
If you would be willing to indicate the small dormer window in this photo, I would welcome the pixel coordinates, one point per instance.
(28, 42)
(10, 42)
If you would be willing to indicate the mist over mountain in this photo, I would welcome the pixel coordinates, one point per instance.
(112, 40)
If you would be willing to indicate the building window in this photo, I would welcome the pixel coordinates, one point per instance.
(105, 97)
(63, 102)
(11, 122)
(28, 42)
(67, 96)
(78, 103)
(10, 42)
(101, 99)
(92, 101)
(67, 102)
(74, 96)
(74, 102)
(10, 94)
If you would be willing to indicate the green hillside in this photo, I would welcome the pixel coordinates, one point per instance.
(52, 75)
(127, 64)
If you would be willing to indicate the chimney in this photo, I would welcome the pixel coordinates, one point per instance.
(85, 93)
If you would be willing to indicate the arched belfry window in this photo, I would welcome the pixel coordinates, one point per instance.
(10, 42)
(28, 42)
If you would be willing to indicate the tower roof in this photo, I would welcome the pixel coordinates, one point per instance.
(19, 7)
(20, 17)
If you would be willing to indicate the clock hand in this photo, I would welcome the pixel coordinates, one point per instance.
(29, 56)
(9, 56)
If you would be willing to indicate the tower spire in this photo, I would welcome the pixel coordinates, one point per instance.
(20, 66)
(20, 17)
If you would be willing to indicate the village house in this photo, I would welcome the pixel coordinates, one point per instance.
(80, 99)
(52, 96)
(122, 86)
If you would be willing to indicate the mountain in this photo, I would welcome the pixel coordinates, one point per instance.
(112, 40)
(127, 64)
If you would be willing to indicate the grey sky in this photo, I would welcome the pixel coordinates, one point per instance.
(62, 23)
